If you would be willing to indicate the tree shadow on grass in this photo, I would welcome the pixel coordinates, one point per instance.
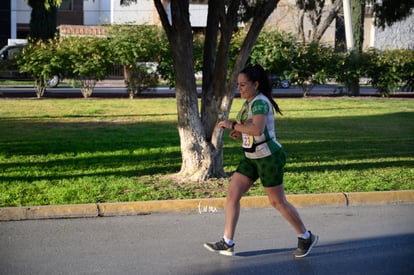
(317, 142)
(156, 145)
(42, 138)
(79, 149)
(94, 166)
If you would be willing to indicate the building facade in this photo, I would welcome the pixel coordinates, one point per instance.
(15, 18)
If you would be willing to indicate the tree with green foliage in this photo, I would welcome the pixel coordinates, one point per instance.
(43, 18)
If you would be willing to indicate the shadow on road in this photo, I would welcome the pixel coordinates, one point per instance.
(380, 255)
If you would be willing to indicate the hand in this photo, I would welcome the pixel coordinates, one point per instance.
(235, 134)
(224, 124)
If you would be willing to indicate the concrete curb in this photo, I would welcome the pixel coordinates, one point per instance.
(197, 205)
(48, 212)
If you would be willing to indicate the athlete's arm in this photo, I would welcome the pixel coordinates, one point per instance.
(253, 127)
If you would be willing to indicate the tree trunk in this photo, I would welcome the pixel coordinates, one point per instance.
(42, 20)
(353, 88)
(300, 25)
(40, 87)
(333, 12)
(358, 15)
(88, 85)
(319, 22)
(210, 87)
(195, 150)
(130, 79)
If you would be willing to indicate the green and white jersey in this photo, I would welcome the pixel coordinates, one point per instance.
(259, 105)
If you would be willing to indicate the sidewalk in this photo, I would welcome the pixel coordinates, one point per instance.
(196, 205)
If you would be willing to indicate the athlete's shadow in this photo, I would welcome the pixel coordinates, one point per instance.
(264, 252)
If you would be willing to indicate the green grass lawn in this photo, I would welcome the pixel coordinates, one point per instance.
(109, 150)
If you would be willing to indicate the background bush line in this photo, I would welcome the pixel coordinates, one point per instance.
(76, 151)
(136, 48)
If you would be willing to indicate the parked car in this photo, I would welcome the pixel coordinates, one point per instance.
(278, 82)
(9, 70)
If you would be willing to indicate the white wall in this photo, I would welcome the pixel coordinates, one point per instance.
(91, 11)
(137, 13)
(20, 13)
(198, 15)
(98, 12)
(399, 35)
(23, 11)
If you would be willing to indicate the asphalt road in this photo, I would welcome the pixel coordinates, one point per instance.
(370, 239)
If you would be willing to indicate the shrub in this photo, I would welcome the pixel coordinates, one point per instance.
(391, 70)
(303, 64)
(309, 65)
(137, 48)
(274, 50)
(346, 67)
(86, 59)
(38, 59)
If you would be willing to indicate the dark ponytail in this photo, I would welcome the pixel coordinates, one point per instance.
(257, 73)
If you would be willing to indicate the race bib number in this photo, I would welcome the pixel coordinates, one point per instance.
(247, 141)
